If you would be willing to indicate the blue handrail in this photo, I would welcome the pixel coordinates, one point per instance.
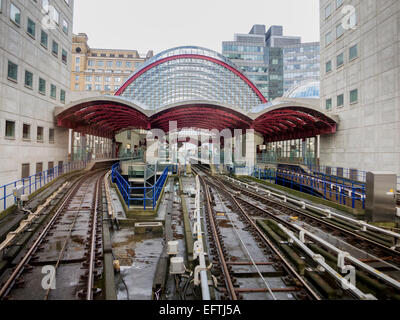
(331, 186)
(35, 182)
(126, 190)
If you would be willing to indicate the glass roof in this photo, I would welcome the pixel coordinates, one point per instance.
(308, 90)
(190, 78)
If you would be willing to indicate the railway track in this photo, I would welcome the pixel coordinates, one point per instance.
(275, 276)
(375, 243)
(378, 254)
(64, 260)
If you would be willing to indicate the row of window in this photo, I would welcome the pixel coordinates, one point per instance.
(12, 75)
(26, 132)
(110, 63)
(100, 79)
(352, 22)
(25, 170)
(340, 59)
(340, 100)
(77, 69)
(89, 87)
(329, 8)
(112, 55)
(15, 16)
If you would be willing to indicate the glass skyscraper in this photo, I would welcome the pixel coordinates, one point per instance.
(274, 62)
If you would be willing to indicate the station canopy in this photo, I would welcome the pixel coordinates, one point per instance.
(197, 88)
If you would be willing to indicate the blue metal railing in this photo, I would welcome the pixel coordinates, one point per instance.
(127, 191)
(345, 192)
(35, 182)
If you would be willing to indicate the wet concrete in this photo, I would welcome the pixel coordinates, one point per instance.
(138, 256)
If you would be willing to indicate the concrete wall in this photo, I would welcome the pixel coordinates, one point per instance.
(369, 132)
(26, 105)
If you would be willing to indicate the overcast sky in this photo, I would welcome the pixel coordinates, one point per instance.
(161, 24)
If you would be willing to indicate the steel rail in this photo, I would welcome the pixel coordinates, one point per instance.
(90, 282)
(21, 265)
(228, 279)
(61, 254)
(354, 260)
(319, 220)
(271, 245)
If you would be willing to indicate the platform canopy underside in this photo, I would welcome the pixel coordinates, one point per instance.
(107, 116)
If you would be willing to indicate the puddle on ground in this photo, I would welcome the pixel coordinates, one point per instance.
(138, 255)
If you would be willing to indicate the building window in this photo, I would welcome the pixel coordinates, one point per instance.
(15, 14)
(77, 77)
(328, 38)
(128, 64)
(354, 96)
(129, 135)
(117, 79)
(109, 64)
(39, 136)
(76, 86)
(12, 71)
(340, 60)
(64, 56)
(328, 104)
(45, 5)
(328, 11)
(53, 91)
(98, 79)
(10, 129)
(25, 170)
(98, 87)
(51, 135)
(28, 79)
(353, 52)
(44, 39)
(118, 64)
(107, 79)
(339, 30)
(88, 87)
(340, 100)
(42, 86)
(89, 78)
(62, 95)
(31, 28)
(107, 88)
(54, 48)
(65, 26)
(91, 63)
(39, 168)
(339, 3)
(26, 132)
(328, 66)
(100, 63)
(56, 16)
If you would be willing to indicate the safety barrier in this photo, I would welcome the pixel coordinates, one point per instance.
(332, 188)
(35, 182)
(126, 190)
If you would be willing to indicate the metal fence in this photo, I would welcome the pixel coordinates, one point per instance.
(35, 182)
(127, 191)
(345, 192)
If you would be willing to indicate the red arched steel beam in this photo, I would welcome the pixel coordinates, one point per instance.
(192, 56)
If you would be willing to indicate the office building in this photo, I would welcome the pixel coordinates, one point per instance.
(360, 68)
(35, 63)
(101, 71)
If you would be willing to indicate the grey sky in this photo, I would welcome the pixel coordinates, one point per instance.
(160, 24)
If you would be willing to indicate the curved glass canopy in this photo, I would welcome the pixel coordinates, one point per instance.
(187, 74)
(308, 90)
